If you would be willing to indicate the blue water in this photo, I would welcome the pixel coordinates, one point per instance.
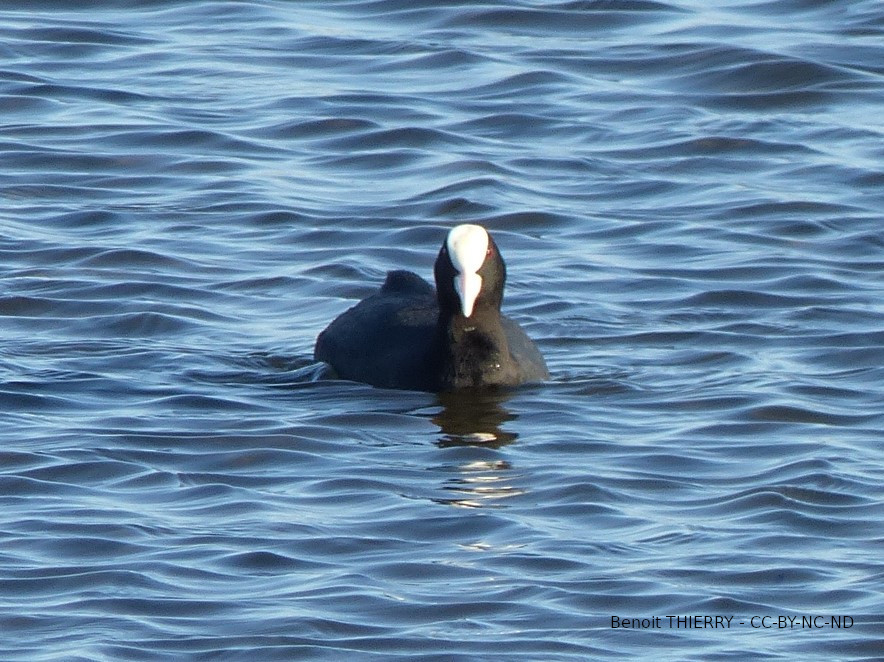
(689, 198)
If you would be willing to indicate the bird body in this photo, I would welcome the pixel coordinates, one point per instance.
(408, 335)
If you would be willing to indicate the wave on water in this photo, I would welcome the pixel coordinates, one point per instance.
(689, 201)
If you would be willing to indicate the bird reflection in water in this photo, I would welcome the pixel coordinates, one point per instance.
(473, 418)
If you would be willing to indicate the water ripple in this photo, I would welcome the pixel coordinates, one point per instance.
(688, 197)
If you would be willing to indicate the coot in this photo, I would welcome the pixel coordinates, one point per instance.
(408, 336)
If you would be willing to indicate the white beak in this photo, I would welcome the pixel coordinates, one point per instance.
(467, 246)
(468, 287)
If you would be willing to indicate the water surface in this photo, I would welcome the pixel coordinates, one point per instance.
(689, 199)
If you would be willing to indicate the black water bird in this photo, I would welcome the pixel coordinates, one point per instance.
(408, 336)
